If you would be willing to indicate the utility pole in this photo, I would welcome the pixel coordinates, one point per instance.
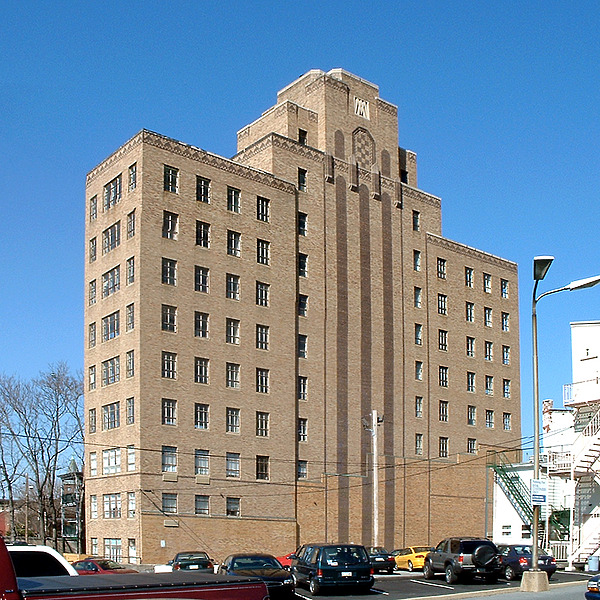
(375, 422)
(26, 508)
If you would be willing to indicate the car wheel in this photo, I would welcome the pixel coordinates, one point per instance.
(410, 566)
(428, 570)
(450, 575)
(314, 587)
(509, 573)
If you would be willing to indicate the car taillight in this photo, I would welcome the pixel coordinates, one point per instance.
(553, 561)
(460, 558)
(419, 556)
(176, 567)
(372, 571)
(319, 572)
(523, 561)
(210, 565)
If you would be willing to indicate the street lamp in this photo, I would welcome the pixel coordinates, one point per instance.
(536, 580)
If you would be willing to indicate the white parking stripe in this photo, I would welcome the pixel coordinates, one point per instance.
(448, 587)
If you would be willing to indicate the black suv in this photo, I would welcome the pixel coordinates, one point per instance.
(332, 565)
(463, 558)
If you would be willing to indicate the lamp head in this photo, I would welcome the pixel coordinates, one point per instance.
(541, 264)
(581, 284)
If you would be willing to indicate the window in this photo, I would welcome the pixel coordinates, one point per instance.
(417, 299)
(302, 179)
(92, 292)
(302, 223)
(441, 268)
(262, 381)
(506, 355)
(262, 293)
(489, 419)
(234, 243)
(92, 335)
(130, 411)
(470, 381)
(505, 324)
(112, 506)
(506, 388)
(489, 351)
(442, 340)
(131, 224)
(470, 346)
(233, 200)
(487, 317)
(263, 252)
(302, 265)
(263, 209)
(487, 283)
(443, 447)
(201, 366)
(262, 337)
(111, 237)
(489, 385)
(419, 370)
(93, 249)
(443, 411)
(302, 136)
(302, 345)
(92, 420)
(200, 324)
(169, 271)
(129, 363)
(202, 234)
(170, 226)
(302, 387)
(232, 464)
(94, 545)
(442, 304)
(132, 177)
(504, 288)
(416, 220)
(93, 208)
(232, 331)
(418, 444)
(302, 469)
(262, 424)
(262, 468)
(471, 415)
(417, 260)
(469, 277)
(130, 266)
(94, 507)
(232, 379)
(419, 407)
(201, 416)
(111, 461)
(111, 281)
(112, 548)
(169, 318)
(201, 506)
(169, 365)
(471, 446)
(302, 305)
(201, 462)
(169, 411)
(130, 505)
(92, 377)
(169, 459)
(112, 193)
(169, 503)
(129, 317)
(443, 376)
(171, 179)
(201, 279)
(202, 189)
(470, 312)
(506, 421)
(232, 507)
(232, 286)
(418, 334)
(111, 371)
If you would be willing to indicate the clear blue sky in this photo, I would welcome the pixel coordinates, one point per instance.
(500, 100)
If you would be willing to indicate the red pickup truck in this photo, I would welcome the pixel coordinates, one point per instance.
(139, 586)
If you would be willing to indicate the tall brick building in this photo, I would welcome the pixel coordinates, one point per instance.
(245, 316)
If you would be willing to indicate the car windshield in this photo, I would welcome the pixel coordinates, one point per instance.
(255, 562)
(109, 564)
(418, 549)
(378, 550)
(191, 556)
(344, 555)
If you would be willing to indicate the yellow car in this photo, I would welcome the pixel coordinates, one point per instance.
(411, 558)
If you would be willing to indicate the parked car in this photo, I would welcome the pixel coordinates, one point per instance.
(593, 588)
(279, 582)
(411, 558)
(286, 560)
(194, 560)
(321, 566)
(516, 558)
(100, 566)
(463, 558)
(381, 559)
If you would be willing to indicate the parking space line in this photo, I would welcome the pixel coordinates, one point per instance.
(380, 592)
(448, 587)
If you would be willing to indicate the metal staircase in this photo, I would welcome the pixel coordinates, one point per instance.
(586, 448)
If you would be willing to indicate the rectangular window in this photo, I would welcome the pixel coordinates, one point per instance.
(111, 281)
(130, 267)
(93, 208)
(506, 421)
(302, 173)
(92, 420)
(92, 292)
(416, 220)
(302, 469)
(470, 312)
(443, 447)
(111, 371)
(129, 317)
(201, 324)
(302, 345)
(489, 351)
(232, 507)
(94, 545)
(262, 381)
(487, 317)
(302, 305)
(169, 411)
(302, 265)
(302, 137)
(130, 505)
(169, 365)
(201, 279)
(201, 462)
(443, 376)
(132, 177)
(470, 346)
(262, 468)
(443, 411)
(263, 252)
(262, 424)
(111, 237)
(471, 415)
(471, 446)
(262, 293)
(505, 323)
(442, 304)
(130, 411)
(302, 387)
(91, 335)
(112, 193)
(131, 224)
(130, 363)
(232, 379)
(169, 503)
(201, 416)
(419, 407)
(169, 459)
(487, 283)
(262, 337)
(232, 286)
(94, 507)
(233, 420)
(92, 377)
(201, 367)
(112, 506)
(302, 223)
(470, 381)
(202, 189)
(171, 179)
(203, 234)
(441, 268)
(233, 200)
(489, 419)
(419, 370)
(111, 461)
(92, 250)
(417, 260)
(201, 505)
(232, 464)
(263, 209)
(442, 340)
(504, 288)
(489, 385)
(506, 355)
(232, 331)
(506, 388)
(169, 271)
(418, 334)
(112, 548)
(469, 277)
(417, 297)
(418, 444)
(169, 318)
(170, 226)
(234, 243)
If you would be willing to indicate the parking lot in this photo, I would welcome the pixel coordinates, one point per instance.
(413, 585)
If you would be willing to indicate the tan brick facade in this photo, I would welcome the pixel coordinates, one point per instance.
(344, 207)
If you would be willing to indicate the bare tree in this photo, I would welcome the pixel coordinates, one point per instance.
(10, 463)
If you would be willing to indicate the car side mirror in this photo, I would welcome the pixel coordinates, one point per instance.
(293, 557)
